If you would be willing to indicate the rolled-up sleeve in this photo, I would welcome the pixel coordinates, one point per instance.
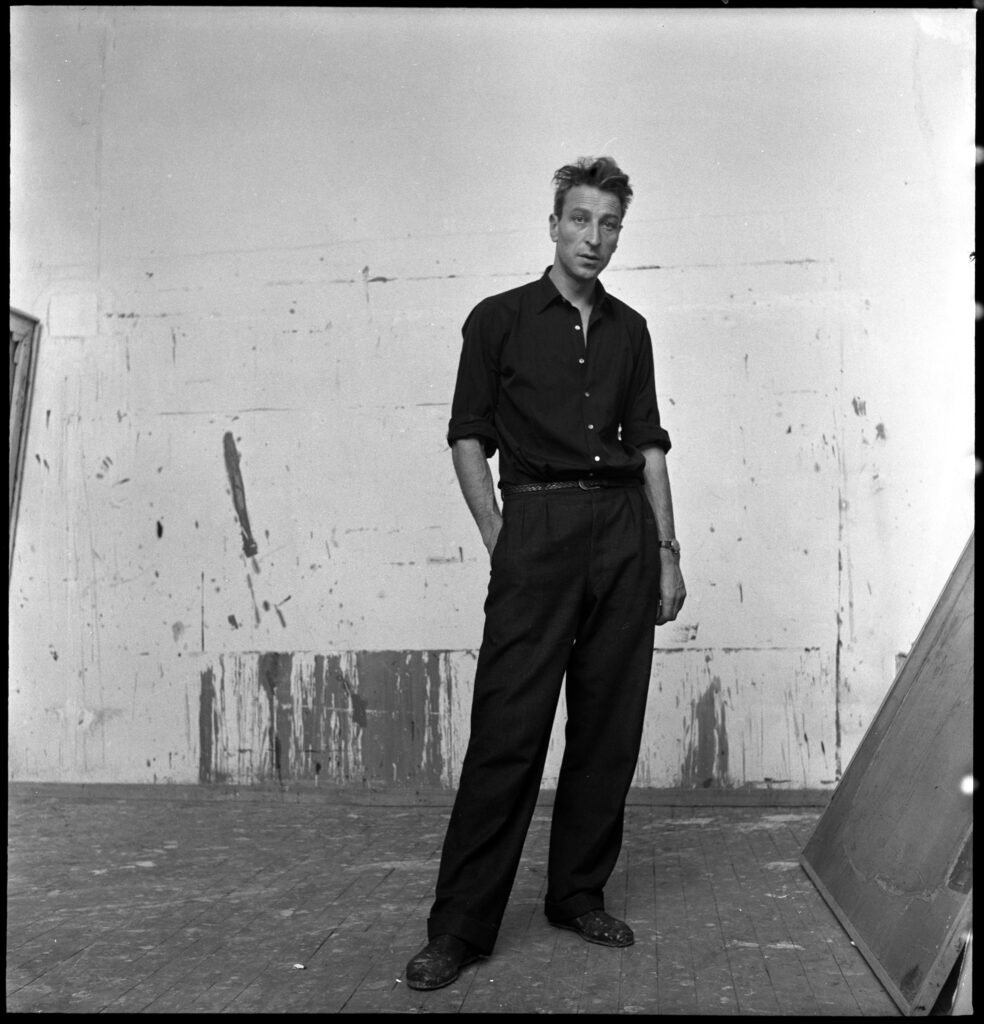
(640, 419)
(477, 386)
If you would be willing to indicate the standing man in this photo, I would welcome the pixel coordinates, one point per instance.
(557, 375)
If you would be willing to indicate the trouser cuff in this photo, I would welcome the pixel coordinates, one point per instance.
(574, 906)
(479, 934)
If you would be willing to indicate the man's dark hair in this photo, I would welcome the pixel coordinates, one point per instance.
(599, 172)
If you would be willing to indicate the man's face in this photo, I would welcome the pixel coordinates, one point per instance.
(586, 233)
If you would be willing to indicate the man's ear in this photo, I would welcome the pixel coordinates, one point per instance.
(553, 227)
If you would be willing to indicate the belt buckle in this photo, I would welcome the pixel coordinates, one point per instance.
(588, 485)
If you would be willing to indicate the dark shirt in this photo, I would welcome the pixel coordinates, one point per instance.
(554, 408)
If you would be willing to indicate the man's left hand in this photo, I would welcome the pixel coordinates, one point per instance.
(672, 591)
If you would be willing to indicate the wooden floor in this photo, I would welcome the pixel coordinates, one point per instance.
(130, 900)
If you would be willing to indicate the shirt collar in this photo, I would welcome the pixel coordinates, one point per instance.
(547, 292)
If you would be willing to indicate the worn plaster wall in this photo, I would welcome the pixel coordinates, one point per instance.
(252, 235)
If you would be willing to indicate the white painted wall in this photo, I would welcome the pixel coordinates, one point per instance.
(271, 222)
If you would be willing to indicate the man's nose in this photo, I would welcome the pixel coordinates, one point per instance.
(593, 234)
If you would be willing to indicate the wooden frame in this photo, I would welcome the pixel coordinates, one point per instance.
(25, 334)
(892, 854)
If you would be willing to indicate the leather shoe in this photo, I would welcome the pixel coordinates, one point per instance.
(440, 962)
(600, 927)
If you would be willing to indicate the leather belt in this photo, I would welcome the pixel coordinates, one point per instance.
(567, 485)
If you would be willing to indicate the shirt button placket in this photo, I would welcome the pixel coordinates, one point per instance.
(590, 426)
(587, 394)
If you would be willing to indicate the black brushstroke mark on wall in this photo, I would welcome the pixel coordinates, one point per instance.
(238, 493)
(252, 594)
(280, 614)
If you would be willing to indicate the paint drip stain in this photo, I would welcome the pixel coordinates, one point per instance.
(706, 761)
(232, 459)
(206, 713)
(274, 671)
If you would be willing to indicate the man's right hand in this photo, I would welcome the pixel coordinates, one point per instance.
(491, 536)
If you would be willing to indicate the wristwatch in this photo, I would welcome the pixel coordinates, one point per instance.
(673, 544)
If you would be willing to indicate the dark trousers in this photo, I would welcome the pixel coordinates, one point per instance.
(574, 589)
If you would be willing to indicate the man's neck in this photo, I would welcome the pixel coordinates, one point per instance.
(578, 293)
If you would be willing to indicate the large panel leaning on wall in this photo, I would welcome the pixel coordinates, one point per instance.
(25, 332)
(892, 854)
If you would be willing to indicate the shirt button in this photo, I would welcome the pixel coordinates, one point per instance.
(577, 327)
(581, 361)
(597, 458)
(587, 394)
(590, 426)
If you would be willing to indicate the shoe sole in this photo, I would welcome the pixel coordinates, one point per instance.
(442, 984)
(597, 942)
